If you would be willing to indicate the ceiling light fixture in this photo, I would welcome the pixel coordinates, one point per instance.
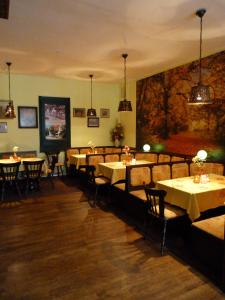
(9, 112)
(124, 104)
(200, 94)
(91, 111)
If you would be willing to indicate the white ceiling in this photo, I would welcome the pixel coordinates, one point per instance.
(73, 38)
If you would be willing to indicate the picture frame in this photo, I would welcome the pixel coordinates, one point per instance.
(54, 124)
(3, 127)
(3, 105)
(27, 117)
(93, 121)
(104, 112)
(79, 112)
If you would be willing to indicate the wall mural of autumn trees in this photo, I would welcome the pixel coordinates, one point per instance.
(163, 115)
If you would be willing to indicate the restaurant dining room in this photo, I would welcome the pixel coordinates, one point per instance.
(112, 150)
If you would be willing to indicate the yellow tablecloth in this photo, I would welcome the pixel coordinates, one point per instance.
(77, 160)
(116, 171)
(9, 160)
(194, 197)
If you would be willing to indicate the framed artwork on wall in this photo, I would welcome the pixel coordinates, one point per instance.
(93, 122)
(3, 127)
(27, 117)
(79, 112)
(54, 118)
(3, 105)
(104, 112)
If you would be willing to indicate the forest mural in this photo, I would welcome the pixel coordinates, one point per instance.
(165, 118)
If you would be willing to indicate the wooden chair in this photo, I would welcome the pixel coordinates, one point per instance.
(96, 181)
(157, 209)
(54, 157)
(33, 171)
(9, 177)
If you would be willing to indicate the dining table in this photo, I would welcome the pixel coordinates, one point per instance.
(12, 160)
(195, 197)
(116, 171)
(77, 160)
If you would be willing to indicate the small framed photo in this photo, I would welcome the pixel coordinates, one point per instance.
(3, 105)
(93, 122)
(3, 127)
(27, 117)
(104, 112)
(79, 112)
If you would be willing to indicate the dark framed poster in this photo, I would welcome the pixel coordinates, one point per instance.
(54, 120)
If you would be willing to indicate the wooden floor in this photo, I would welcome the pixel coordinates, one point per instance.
(54, 245)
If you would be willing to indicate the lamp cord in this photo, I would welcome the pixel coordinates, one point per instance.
(200, 54)
(91, 89)
(9, 64)
(125, 79)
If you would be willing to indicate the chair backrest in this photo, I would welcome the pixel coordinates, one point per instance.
(94, 160)
(112, 157)
(85, 150)
(33, 168)
(50, 156)
(180, 169)
(161, 172)
(9, 171)
(151, 157)
(138, 176)
(155, 202)
(164, 157)
(208, 167)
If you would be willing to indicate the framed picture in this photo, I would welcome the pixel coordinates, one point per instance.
(79, 112)
(27, 117)
(3, 127)
(3, 105)
(104, 112)
(54, 120)
(93, 122)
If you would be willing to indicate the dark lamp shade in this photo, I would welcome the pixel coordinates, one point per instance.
(91, 112)
(200, 94)
(125, 105)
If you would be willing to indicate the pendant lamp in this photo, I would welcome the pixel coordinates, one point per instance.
(125, 105)
(91, 111)
(200, 94)
(9, 112)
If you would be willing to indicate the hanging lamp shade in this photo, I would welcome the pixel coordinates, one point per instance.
(91, 112)
(125, 105)
(10, 111)
(200, 94)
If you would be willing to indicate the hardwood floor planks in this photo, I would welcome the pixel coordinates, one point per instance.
(54, 245)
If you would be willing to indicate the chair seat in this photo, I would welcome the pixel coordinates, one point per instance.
(213, 226)
(139, 194)
(59, 164)
(171, 211)
(101, 180)
(120, 186)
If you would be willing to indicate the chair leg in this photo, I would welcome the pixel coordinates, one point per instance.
(96, 194)
(3, 192)
(18, 189)
(61, 169)
(163, 237)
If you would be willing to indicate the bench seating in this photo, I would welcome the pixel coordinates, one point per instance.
(208, 246)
